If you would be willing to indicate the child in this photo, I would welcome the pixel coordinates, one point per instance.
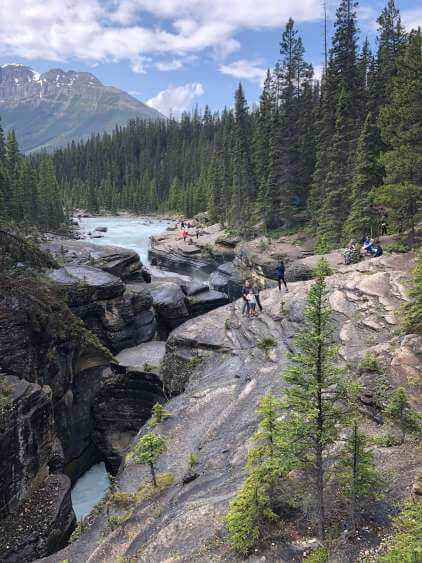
(252, 304)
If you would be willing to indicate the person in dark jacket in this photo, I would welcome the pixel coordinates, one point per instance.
(246, 289)
(255, 289)
(280, 272)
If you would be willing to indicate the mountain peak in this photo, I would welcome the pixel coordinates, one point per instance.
(51, 109)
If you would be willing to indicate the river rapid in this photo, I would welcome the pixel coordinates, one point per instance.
(128, 232)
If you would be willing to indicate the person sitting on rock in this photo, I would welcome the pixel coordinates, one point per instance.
(368, 244)
(377, 250)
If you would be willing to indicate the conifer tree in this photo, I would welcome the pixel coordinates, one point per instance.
(148, 450)
(401, 130)
(367, 175)
(359, 479)
(313, 415)
(391, 40)
(399, 412)
(412, 317)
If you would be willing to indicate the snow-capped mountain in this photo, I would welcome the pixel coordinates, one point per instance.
(51, 109)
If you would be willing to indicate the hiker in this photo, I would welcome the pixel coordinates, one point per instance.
(383, 228)
(197, 234)
(255, 290)
(368, 244)
(246, 289)
(182, 225)
(280, 270)
(185, 235)
(377, 250)
(251, 299)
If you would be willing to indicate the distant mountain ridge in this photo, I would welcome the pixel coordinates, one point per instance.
(50, 110)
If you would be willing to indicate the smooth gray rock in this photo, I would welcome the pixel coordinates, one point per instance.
(87, 283)
(150, 353)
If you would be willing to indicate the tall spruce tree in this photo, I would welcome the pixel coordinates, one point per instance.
(401, 130)
(315, 385)
(367, 175)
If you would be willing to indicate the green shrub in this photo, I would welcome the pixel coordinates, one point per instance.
(385, 441)
(266, 344)
(159, 414)
(193, 459)
(319, 555)
(117, 520)
(194, 362)
(369, 362)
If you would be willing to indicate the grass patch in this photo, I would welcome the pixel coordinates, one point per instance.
(193, 460)
(266, 344)
(194, 362)
(406, 544)
(148, 368)
(319, 555)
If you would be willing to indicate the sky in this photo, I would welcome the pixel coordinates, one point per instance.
(172, 54)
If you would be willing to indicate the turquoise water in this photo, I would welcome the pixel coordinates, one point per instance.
(89, 490)
(129, 232)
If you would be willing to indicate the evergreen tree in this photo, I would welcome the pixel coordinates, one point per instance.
(243, 193)
(412, 317)
(401, 130)
(399, 412)
(359, 480)
(391, 40)
(148, 450)
(367, 175)
(313, 415)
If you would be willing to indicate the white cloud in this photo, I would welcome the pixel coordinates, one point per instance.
(176, 99)
(244, 69)
(175, 64)
(412, 19)
(100, 30)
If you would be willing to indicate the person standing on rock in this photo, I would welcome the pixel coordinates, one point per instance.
(255, 290)
(280, 272)
(246, 289)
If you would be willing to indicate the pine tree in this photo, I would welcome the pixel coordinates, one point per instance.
(243, 193)
(367, 175)
(358, 477)
(391, 40)
(399, 412)
(412, 311)
(251, 507)
(401, 130)
(313, 415)
(336, 202)
(148, 450)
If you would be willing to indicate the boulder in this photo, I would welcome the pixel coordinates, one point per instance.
(169, 304)
(227, 279)
(101, 229)
(145, 357)
(201, 303)
(121, 262)
(87, 284)
(193, 288)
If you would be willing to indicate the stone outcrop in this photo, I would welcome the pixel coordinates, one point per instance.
(120, 408)
(43, 524)
(119, 317)
(146, 357)
(217, 372)
(121, 262)
(26, 439)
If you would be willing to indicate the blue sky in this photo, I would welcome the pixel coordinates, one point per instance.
(171, 53)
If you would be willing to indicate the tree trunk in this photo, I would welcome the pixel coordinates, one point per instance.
(320, 493)
(154, 480)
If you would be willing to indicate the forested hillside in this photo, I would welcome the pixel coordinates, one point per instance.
(29, 195)
(338, 155)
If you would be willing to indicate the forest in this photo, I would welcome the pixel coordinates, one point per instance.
(336, 156)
